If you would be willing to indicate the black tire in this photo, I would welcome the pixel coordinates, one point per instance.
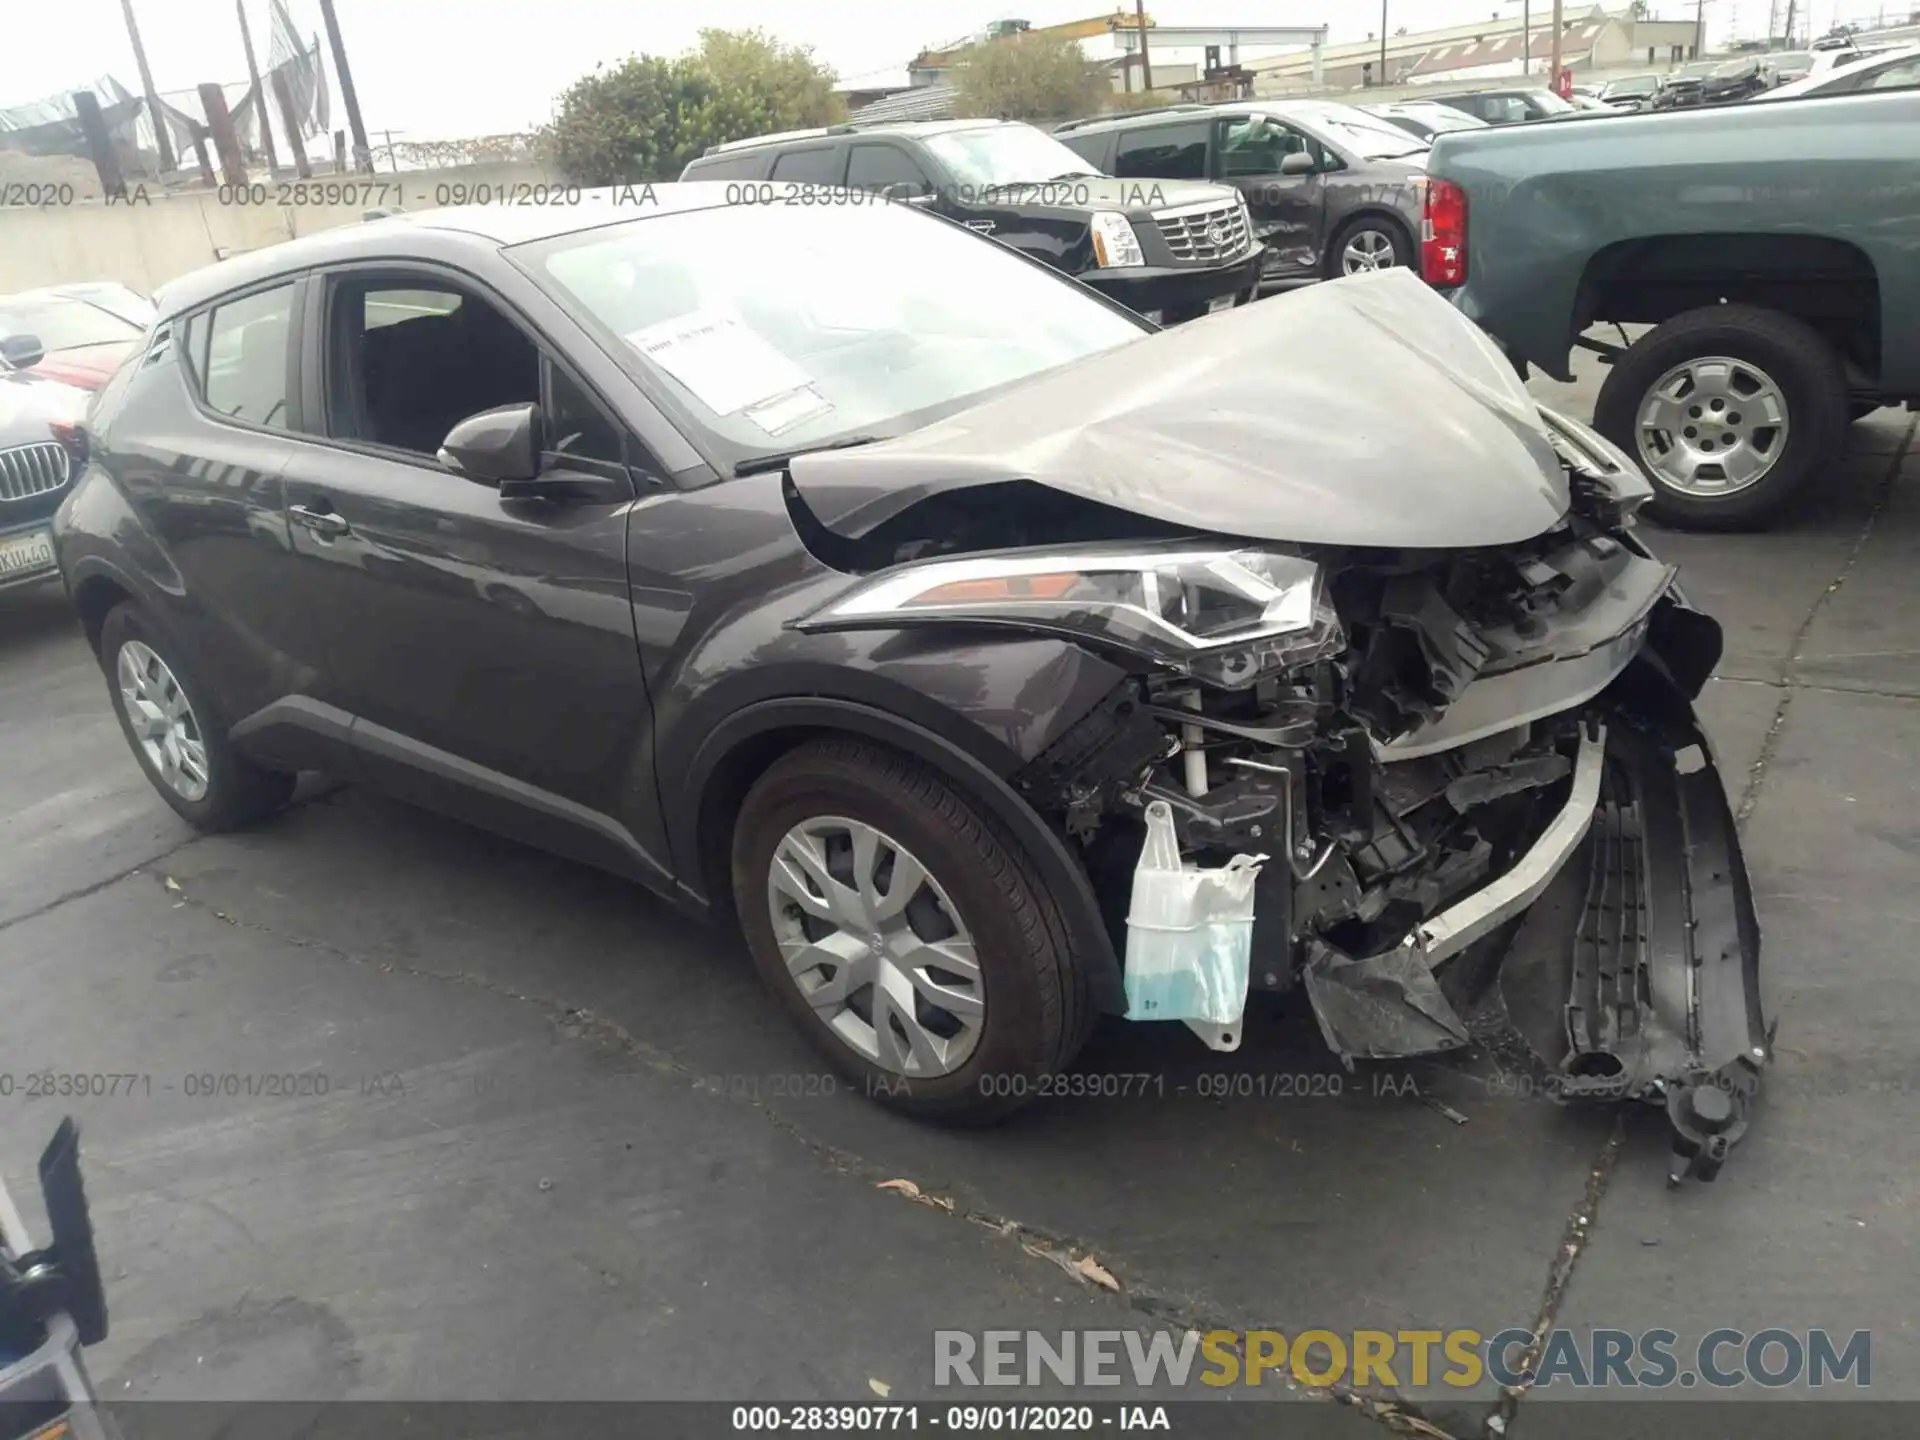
(1038, 1007)
(1403, 252)
(1800, 361)
(238, 791)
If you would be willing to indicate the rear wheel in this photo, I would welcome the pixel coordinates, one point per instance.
(907, 936)
(1731, 410)
(1369, 242)
(170, 723)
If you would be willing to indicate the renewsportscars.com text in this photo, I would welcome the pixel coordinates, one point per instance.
(1596, 1359)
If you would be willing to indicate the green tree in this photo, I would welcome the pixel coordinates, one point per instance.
(1028, 77)
(646, 117)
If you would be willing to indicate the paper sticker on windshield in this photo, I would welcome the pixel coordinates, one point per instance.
(723, 364)
(784, 412)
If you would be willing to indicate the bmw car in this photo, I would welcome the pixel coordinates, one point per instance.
(875, 590)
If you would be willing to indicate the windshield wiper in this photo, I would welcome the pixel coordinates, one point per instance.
(760, 464)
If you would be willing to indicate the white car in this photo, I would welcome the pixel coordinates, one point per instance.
(1872, 70)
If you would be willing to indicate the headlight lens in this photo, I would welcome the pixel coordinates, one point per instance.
(1228, 617)
(1114, 240)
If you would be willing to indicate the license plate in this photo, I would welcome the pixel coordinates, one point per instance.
(23, 554)
(1224, 302)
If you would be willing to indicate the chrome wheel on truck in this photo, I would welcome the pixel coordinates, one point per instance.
(1712, 426)
(1732, 410)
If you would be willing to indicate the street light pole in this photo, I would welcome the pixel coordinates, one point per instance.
(1526, 38)
(1383, 42)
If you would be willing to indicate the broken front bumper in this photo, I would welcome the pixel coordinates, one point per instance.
(1635, 971)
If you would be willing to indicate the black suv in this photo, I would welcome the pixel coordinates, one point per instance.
(1170, 250)
(1332, 190)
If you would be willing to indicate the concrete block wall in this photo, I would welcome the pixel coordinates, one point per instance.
(144, 245)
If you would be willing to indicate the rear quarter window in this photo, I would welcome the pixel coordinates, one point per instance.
(748, 165)
(821, 165)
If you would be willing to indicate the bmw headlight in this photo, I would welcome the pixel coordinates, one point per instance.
(1227, 617)
(1115, 242)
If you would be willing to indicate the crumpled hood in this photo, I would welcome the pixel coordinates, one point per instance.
(1364, 411)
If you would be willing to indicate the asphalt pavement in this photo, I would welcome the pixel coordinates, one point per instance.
(408, 1111)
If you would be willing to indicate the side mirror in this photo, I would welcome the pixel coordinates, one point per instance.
(495, 447)
(1298, 162)
(22, 352)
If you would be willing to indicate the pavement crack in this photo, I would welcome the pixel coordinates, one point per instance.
(95, 887)
(1769, 746)
(1566, 1259)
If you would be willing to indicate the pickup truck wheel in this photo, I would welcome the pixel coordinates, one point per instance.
(1368, 242)
(1730, 409)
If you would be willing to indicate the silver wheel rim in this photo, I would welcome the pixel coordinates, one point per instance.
(874, 945)
(1367, 250)
(1712, 426)
(164, 725)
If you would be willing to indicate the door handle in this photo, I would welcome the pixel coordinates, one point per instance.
(323, 523)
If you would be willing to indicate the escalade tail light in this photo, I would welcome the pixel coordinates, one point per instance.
(1443, 234)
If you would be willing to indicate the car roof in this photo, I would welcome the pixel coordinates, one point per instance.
(435, 234)
(1493, 90)
(832, 132)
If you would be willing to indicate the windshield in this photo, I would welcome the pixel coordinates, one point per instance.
(1632, 85)
(1005, 155)
(1552, 104)
(774, 328)
(64, 324)
(1365, 135)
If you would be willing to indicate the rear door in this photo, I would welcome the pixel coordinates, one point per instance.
(203, 431)
(484, 646)
(1288, 211)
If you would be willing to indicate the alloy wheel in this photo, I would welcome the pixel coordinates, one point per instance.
(163, 723)
(1367, 250)
(875, 947)
(1712, 426)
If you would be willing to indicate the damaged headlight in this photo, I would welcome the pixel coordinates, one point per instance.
(1227, 617)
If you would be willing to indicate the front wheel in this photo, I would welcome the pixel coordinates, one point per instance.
(1731, 411)
(905, 933)
(1371, 242)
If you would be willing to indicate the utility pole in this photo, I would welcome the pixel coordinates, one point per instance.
(1526, 38)
(362, 154)
(259, 90)
(1140, 29)
(1699, 29)
(1553, 75)
(1383, 42)
(161, 140)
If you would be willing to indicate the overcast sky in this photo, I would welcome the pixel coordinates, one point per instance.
(435, 69)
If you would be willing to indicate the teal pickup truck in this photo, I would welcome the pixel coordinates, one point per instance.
(1773, 249)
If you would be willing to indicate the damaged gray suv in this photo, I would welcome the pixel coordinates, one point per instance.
(994, 659)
